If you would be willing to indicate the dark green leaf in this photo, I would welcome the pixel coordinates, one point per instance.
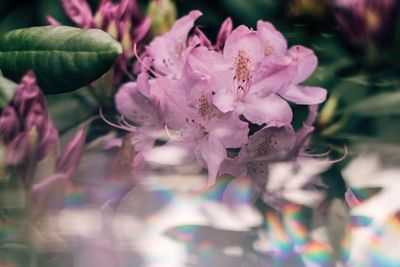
(7, 89)
(64, 58)
(383, 104)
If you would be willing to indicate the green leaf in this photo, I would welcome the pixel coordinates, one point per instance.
(63, 58)
(7, 89)
(384, 104)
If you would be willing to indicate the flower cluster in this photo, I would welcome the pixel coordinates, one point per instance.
(29, 140)
(208, 97)
(123, 21)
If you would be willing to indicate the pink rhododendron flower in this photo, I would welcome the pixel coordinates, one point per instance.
(169, 51)
(207, 96)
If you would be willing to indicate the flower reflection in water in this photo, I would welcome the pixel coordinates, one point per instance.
(168, 219)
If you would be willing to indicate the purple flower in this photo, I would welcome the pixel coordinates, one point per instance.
(199, 126)
(123, 21)
(206, 95)
(255, 71)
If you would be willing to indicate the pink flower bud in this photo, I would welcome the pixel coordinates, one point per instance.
(52, 21)
(26, 94)
(204, 41)
(79, 12)
(224, 32)
(9, 124)
(36, 117)
(49, 140)
(128, 9)
(70, 158)
(18, 150)
(141, 30)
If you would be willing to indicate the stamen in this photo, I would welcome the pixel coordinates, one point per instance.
(204, 107)
(268, 49)
(242, 73)
(168, 132)
(268, 145)
(129, 128)
(143, 64)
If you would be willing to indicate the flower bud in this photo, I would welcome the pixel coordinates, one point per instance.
(128, 9)
(224, 32)
(162, 14)
(17, 150)
(36, 117)
(26, 94)
(328, 112)
(121, 19)
(49, 141)
(9, 124)
(204, 41)
(70, 158)
(79, 12)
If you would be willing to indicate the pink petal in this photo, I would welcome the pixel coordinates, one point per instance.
(204, 41)
(271, 143)
(133, 105)
(166, 59)
(246, 40)
(306, 62)
(141, 30)
(274, 42)
(209, 62)
(264, 110)
(274, 75)
(305, 95)
(182, 26)
(224, 100)
(172, 102)
(170, 49)
(224, 32)
(230, 130)
(212, 64)
(52, 21)
(213, 153)
(70, 158)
